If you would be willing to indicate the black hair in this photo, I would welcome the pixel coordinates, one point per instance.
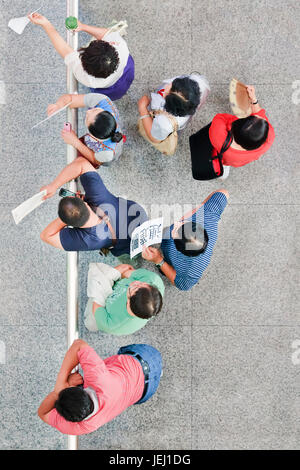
(105, 126)
(73, 211)
(188, 103)
(146, 302)
(250, 132)
(74, 404)
(99, 59)
(192, 239)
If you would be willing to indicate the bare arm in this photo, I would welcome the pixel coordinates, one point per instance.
(69, 363)
(72, 139)
(168, 271)
(74, 101)
(255, 108)
(154, 255)
(58, 42)
(51, 235)
(146, 121)
(98, 33)
(190, 213)
(76, 168)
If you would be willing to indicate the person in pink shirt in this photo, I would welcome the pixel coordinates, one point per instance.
(80, 405)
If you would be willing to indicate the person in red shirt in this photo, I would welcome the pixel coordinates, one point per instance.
(80, 405)
(252, 136)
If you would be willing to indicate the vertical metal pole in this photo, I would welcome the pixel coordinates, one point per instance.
(72, 257)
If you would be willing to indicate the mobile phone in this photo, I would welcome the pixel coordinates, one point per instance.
(65, 193)
(67, 126)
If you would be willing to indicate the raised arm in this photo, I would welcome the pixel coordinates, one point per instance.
(74, 101)
(69, 363)
(255, 107)
(72, 171)
(98, 33)
(190, 213)
(58, 42)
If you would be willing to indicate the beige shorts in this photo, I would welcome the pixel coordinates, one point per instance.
(89, 318)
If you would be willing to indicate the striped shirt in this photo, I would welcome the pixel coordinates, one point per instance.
(190, 269)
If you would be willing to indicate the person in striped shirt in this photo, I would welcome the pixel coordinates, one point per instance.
(187, 245)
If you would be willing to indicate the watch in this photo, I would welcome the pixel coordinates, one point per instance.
(159, 265)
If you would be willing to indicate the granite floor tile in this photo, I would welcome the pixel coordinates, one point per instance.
(258, 41)
(244, 387)
(33, 277)
(252, 278)
(30, 57)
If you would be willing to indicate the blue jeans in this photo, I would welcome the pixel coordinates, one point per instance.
(153, 357)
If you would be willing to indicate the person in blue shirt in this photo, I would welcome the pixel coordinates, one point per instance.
(103, 142)
(95, 221)
(187, 245)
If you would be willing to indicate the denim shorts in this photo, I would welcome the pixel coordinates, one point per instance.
(154, 360)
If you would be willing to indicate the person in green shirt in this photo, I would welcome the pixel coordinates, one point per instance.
(136, 297)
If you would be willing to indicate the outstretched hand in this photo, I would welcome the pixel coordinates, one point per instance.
(51, 190)
(36, 18)
(52, 108)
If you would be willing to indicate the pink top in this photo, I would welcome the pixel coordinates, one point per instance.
(220, 125)
(118, 382)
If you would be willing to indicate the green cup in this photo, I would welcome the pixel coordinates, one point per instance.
(71, 23)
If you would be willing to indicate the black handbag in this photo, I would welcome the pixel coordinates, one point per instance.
(201, 155)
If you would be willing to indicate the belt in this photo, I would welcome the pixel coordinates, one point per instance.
(146, 370)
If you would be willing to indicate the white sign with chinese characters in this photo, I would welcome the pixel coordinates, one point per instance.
(149, 233)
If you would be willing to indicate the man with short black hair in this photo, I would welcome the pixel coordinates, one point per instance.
(80, 405)
(122, 299)
(99, 220)
(187, 245)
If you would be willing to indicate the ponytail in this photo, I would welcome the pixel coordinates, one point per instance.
(105, 127)
(116, 137)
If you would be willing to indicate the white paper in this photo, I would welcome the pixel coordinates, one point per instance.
(49, 117)
(19, 24)
(28, 206)
(149, 233)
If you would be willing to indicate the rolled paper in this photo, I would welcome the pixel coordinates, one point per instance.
(19, 24)
(49, 117)
(28, 206)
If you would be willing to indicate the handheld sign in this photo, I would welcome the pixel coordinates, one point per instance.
(149, 233)
(19, 24)
(28, 206)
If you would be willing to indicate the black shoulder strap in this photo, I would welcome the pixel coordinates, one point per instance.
(227, 143)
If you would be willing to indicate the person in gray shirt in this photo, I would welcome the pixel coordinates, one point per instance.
(103, 142)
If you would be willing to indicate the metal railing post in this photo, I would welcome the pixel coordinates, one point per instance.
(72, 257)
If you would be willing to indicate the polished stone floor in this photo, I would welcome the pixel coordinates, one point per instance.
(229, 380)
